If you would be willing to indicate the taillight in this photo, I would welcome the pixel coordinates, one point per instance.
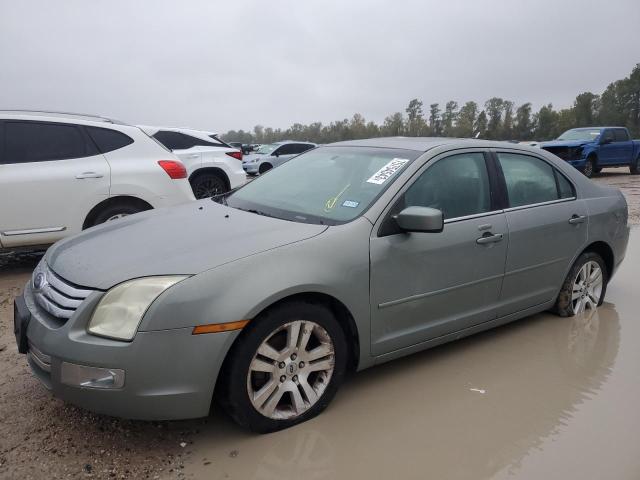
(237, 154)
(174, 169)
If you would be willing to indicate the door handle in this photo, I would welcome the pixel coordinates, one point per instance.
(576, 219)
(84, 175)
(489, 238)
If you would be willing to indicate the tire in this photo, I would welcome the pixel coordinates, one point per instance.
(319, 378)
(591, 296)
(264, 167)
(634, 168)
(589, 167)
(207, 185)
(115, 211)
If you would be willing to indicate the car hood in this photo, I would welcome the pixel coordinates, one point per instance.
(182, 240)
(564, 143)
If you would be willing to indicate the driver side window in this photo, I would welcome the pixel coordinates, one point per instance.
(457, 185)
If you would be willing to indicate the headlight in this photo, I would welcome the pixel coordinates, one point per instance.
(121, 309)
(576, 153)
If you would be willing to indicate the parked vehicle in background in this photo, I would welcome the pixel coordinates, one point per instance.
(61, 173)
(347, 256)
(591, 149)
(213, 166)
(272, 155)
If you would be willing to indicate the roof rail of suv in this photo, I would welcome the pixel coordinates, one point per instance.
(82, 116)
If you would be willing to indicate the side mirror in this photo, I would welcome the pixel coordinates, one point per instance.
(606, 141)
(275, 154)
(420, 219)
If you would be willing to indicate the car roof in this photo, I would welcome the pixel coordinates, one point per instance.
(57, 116)
(422, 144)
(189, 131)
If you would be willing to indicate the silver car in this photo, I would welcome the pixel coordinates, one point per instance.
(272, 155)
(349, 255)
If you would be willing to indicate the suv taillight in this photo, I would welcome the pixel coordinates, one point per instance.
(237, 155)
(174, 169)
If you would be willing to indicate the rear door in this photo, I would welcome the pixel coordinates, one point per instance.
(547, 228)
(51, 175)
(623, 146)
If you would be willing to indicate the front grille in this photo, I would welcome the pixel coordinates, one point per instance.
(565, 153)
(57, 296)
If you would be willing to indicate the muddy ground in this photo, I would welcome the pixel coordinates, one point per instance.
(560, 405)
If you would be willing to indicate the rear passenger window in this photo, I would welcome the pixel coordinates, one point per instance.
(39, 142)
(457, 186)
(530, 180)
(564, 186)
(620, 135)
(108, 140)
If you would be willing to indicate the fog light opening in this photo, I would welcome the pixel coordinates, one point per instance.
(91, 377)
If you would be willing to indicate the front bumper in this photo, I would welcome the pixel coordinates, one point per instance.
(168, 374)
(251, 167)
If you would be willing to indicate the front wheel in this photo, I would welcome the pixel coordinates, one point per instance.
(585, 286)
(286, 367)
(589, 168)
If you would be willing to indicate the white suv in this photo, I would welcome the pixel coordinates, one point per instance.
(213, 166)
(61, 173)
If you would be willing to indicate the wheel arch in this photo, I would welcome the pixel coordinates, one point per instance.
(341, 312)
(605, 251)
(116, 200)
(211, 170)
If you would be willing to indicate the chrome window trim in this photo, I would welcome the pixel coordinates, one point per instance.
(533, 205)
(471, 217)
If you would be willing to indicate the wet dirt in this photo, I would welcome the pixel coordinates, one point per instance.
(545, 397)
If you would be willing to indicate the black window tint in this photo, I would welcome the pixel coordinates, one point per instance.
(108, 140)
(529, 180)
(303, 147)
(39, 142)
(621, 135)
(565, 189)
(608, 136)
(172, 140)
(456, 185)
(285, 149)
(217, 142)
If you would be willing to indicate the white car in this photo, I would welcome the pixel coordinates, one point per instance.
(213, 166)
(61, 173)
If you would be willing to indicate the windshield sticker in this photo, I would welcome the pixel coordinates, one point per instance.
(350, 203)
(386, 172)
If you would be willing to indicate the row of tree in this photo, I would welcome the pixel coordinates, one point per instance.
(497, 119)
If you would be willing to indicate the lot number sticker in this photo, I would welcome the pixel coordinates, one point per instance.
(386, 172)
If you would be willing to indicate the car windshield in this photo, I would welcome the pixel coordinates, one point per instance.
(266, 149)
(580, 134)
(328, 185)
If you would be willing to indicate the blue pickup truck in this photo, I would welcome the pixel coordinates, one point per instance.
(593, 148)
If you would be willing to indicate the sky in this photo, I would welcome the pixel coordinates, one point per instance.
(228, 65)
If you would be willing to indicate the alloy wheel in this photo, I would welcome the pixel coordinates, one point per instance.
(208, 186)
(291, 370)
(587, 287)
(116, 216)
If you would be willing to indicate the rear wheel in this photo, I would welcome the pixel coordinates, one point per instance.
(207, 185)
(265, 167)
(634, 168)
(585, 286)
(286, 368)
(116, 211)
(589, 167)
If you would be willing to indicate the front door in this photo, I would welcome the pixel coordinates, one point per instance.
(425, 285)
(51, 175)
